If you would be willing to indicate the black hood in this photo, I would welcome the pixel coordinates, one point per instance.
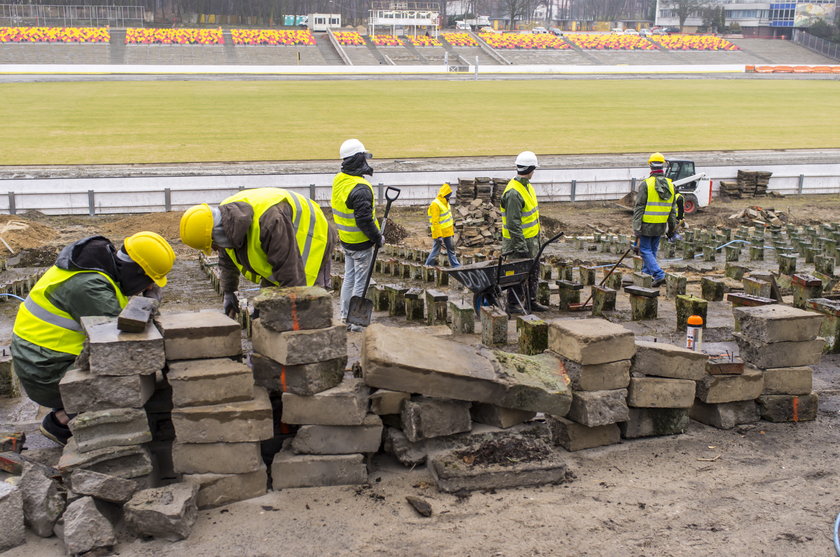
(356, 165)
(97, 253)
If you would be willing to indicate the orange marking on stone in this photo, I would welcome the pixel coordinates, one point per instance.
(295, 322)
(283, 379)
(796, 409)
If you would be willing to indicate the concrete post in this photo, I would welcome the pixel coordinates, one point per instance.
(687, 306)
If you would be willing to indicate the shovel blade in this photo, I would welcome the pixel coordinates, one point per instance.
(360, 311)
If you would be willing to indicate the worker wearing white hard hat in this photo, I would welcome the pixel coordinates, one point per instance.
(521, 227)
(354, 212)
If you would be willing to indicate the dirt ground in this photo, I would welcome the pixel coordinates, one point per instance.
(763, 489)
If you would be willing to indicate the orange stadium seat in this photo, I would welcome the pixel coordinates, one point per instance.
(385, 40)
(136, 35)
(54, 35)
(593, 41)
(272, 37)
(694, 42)
(459, 39)
(349, 38)
(423, 40)
(526, 41)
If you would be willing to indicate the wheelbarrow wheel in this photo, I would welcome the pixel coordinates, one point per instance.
(485, 298)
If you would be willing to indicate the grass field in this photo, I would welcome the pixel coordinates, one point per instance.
(144, 122)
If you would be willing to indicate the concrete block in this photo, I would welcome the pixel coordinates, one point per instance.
(675, 285)
(598, 377)
(590, 341)
(136, 314)
(603, 300)
(82, 391)
(686, 306)
(780, 354)
(291, 470)
(396, 299)
(587, 274)
(788, 381)
(462, 318)
(788, 408)
(666, 360)
(216, 458)
(43, 503)
(113, 352)
(345, 404)
(436, 303)
(654, 422)
(493, 326)
(533, 334)
(643, 307)
(757, 287)
(384, 402)
(300, 347)
(13, 533)
(597, 408)
(200, 335)
(110, 428)
(805, 287)
(655, 392)
(301, 379)
(230, 422)
(221, 489)
(778, 323)
(724, 415)
(569, 293)
(573, 436)
(163, 512)
(414, 304)
(102, 486)
(338, 439)
(202, 382)
(86, 528)
(426, 417)
(712, 289)
(714, 389)
(129, 461)
(496, 416)
(294, 308)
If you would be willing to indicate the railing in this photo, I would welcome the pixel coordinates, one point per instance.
(24, 15)
(815, 44)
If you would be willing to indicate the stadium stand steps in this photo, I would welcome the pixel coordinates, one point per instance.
(116, 47)
(414, 51)
(327, 50)
(375, 51)
(783, 52)
(455, 59)
(582, 52)
(230, 48)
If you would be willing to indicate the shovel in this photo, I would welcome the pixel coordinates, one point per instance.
(360, 307)
(583, 306)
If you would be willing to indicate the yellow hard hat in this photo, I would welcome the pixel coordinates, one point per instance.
(657, 157)
(152, 253)
(197, 228)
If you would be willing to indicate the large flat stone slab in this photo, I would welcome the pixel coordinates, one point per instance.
(131, 461)
(102, 486)
(497, 416)
(294, 309)
(114, 352)
(213, 381)
(82, 391)
(598, 408)
(221, 489)
(302, 379)
(110, 428)
(666, 360)
(345, 404)
(598, 377)
(336, 439)
(290, 470)
(715, 389)
(426, 417)
(300, 347)
(12, 534)
(216, 458)
(778, 323)
(658, 392)
(654, 422)
(167, 512)
(725, 415)
(788, 408)
(590, 341)
(573, 436)
(788, 380)
(780, 354)
(199, 335)
(231, 422)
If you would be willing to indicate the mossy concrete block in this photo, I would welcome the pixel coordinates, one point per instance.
(687, 306)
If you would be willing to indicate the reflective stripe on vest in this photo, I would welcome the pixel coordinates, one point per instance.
(42, 323)
(343, 216)
(445, 220)
(530, 216)
(657, 209)
(311, 233)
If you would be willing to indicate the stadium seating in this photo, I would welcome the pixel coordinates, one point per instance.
(54, 35)
(271, 37)
(524, 41)
(136, 35)
(593, 41)
(459, 39)
(694, 42)
(423, 40)
(385, 40)
(349, 38)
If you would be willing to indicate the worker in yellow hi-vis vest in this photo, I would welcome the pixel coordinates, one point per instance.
(654, 214)
(442, 224)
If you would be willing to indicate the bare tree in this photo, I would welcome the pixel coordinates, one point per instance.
(685, 8)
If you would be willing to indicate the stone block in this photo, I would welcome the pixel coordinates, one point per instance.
(102, 486)
(603, 300)
(43, 502)
(136, 314)
(715, 389)
(129, 461)
(220, 489)
(110, 428)
(666, 360)
(590, 341)
(642, 279)
(675, 285)
(345, 404)
(614, 280)
(735, 271)
(496, 416)
(533, 334)
(86, 528)
(787, 264)
(805, 287)
(587, 274)
(643, 307)
(724, 415)
(686, 306)
(85, 392)
(291, 470)
(654, 422)
(338, 439)
(384, 402)
(780, 354)
(295, 308)
(788, 408)
(573, 436)
(462, 318)
(655, 392)
(301, 379)
(163, 512)
(230, 422)
(597, 408)
(200, 335)
(202, 382)
(13, 533)
(569, 293)
(379, 295)
(493, 326)
(216, 458)
(397, 359)
(757, 287)
(300, 347)
(777, 323)
(712, 289)
(788, 381)
(414, 304)
(427, 417)
(113, 352)
(436, 303)
(598, 377)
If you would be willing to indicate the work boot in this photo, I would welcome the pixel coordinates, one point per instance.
(536, 306)
(658, 282)
(53, 430)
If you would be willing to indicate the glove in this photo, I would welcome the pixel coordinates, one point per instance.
(636, 246)
(230, 304)
(153, 292)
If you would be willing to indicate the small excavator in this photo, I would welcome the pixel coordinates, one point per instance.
(695, 188)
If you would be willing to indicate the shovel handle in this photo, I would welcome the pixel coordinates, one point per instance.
(391, 195)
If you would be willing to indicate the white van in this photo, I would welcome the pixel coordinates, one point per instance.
(463, 25)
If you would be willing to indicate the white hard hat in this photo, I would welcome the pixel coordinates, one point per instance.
(350, 148)
(526, 159)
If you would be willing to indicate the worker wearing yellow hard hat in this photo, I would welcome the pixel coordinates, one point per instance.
(654, 214)
(90, 277)
(272, 236)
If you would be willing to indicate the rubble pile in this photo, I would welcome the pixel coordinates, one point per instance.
(756, 216)
(748, 184)
(477, 223)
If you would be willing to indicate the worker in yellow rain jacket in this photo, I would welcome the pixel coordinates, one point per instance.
(442, 224)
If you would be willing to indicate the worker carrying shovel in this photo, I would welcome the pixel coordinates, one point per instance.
(272, 236)
(654, 214)
(443, 226)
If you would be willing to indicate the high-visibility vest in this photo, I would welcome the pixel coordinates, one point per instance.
(530, 217)
(656, 208)
(445, 225)
(345, 220)
(42, 323)
(311, 233)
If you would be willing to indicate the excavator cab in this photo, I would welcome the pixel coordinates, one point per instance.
(677, 170)
(695, 187)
